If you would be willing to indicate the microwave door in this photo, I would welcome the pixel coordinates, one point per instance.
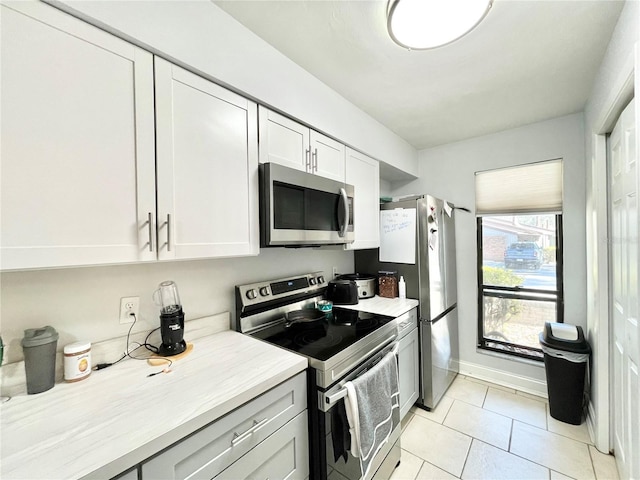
(299, 208)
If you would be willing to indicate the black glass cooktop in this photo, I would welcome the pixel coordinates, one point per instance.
(324, 338)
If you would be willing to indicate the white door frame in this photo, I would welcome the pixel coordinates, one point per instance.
(599, 417)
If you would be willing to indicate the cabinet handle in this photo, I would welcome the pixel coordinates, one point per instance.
(239, 437)
(150, 226)
(314, 163)
(404, 325)
(168, 232)
(307, 164)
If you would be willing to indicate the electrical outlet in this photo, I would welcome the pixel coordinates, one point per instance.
(334, 273)
(129, 306)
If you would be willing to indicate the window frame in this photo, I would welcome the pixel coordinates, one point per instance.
(524, 293)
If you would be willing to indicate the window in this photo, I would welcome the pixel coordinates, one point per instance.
(519, 256)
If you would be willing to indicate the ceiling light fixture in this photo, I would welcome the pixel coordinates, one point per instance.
(424, 24)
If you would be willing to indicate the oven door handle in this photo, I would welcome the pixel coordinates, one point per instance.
(331, 398)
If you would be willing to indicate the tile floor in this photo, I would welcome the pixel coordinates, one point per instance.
(484, 431)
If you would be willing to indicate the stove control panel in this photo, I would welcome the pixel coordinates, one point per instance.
(269, 290)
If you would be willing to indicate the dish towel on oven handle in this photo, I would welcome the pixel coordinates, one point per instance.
(373, 409)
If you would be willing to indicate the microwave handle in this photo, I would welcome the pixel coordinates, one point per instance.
(345, 205)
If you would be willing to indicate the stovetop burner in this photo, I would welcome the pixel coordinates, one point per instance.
(317, 339)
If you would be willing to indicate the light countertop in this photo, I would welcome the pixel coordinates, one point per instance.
(119, 416)
(393, 307)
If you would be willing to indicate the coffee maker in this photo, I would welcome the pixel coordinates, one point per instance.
(171, 319)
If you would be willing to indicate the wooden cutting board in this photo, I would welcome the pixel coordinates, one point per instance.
(158, 360)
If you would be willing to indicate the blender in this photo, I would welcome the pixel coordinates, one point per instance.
(171, 319)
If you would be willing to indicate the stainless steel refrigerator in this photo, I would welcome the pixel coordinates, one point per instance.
(417, 240)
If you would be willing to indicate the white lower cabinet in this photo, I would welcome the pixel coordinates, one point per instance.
(267, 437)
(408, 360)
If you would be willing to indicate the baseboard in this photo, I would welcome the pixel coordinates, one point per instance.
(506, 379)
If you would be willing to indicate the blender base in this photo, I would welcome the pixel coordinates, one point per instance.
(172, 349)
(159, 360)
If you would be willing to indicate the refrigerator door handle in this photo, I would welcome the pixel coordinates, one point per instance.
(431, 322)
(439, 317)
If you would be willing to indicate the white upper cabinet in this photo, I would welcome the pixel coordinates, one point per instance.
(364, 174)
(293, 145)
(283, 141)
(327, 156)
(78, 183)
(78, 174)
(207, 167)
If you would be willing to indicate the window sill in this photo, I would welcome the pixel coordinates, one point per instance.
(513, 358)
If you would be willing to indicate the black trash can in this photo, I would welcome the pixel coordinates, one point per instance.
(566, 353)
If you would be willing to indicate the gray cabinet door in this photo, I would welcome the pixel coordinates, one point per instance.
(284, 455)
(209, 451)
(409, 371)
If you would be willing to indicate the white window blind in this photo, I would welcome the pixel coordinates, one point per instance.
(531, 188)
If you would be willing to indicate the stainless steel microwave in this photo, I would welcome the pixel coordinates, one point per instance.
(302, 209)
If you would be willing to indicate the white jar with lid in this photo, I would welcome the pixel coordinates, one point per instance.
(77, 361)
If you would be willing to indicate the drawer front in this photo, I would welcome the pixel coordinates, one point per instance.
(129, 475)
(407, 322)
(209, 451)
(284, 455)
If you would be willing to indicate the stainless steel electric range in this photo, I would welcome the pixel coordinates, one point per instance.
(339, 345)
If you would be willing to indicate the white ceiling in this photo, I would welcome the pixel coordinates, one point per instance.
(527, 61)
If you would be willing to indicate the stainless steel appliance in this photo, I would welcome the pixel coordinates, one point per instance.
(302, 209)
(340, 347)
(417, 239)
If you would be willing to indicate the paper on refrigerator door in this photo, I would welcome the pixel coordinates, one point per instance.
(398, 235)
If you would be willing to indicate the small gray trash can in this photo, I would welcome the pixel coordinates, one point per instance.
(39, 347)
(566, 353)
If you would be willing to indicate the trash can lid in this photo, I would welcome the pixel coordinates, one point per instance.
(565, 337)
(34, 337)
(564, 331)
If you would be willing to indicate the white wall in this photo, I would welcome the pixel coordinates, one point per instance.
(607, 99)
(448, 171)
(84, 303)
(202, 37)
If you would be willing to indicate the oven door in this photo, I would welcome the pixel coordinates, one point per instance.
(328, 421)
(298, 208)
